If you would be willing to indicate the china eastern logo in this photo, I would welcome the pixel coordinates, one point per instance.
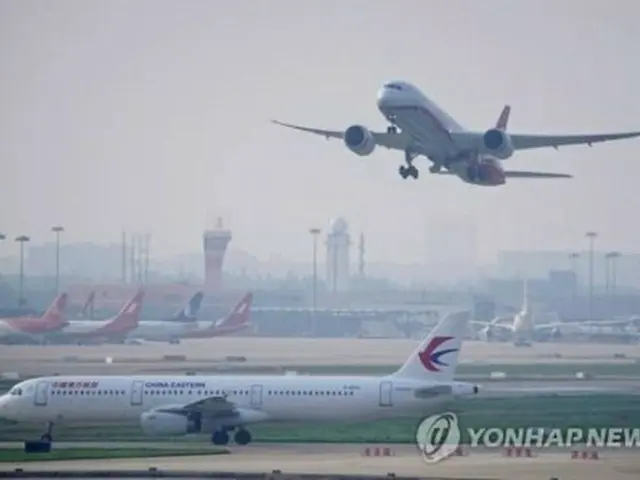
(430, 356)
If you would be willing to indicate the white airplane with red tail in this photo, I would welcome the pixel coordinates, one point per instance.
(419, 127)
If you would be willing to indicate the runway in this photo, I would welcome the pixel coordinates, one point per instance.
(349, 459)
(209, 353)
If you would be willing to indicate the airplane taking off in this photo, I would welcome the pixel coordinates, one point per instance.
(177, 405)
(30, 329)
(419, 127)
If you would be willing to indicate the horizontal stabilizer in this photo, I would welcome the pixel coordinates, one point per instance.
(521, 174)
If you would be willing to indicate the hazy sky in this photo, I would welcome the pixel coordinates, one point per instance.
(148, 114)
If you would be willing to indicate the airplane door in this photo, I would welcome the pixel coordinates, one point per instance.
(136, 392)
(386, 388)
(42, 394)
(256, 396)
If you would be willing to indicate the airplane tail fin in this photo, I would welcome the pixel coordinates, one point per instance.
(54, 315)
(89, 306)
(503, 119)
(437, 356)
(525, 295)
(189, 313)
(239, 317)
(128, 317)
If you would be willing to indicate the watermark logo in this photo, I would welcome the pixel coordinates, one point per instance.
(438, 436)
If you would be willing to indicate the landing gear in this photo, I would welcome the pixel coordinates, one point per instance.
(392, 129)
(220, 437)
(242, 437)
(409, 170)
(48, 435)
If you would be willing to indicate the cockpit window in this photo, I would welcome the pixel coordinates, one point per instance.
(393, 86)
(16, 391)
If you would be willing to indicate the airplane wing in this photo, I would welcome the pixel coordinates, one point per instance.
(493, 326)
(217, 406)
(524, 142)
(396, 141)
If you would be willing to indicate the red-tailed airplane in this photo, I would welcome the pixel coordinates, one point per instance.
(419, 127)
(31, 329)
(114, 329)
(239, 318)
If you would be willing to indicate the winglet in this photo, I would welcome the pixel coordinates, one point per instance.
(503, 119)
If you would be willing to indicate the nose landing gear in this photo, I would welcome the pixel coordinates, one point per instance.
(48, 435)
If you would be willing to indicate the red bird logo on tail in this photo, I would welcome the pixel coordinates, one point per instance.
(430, 356)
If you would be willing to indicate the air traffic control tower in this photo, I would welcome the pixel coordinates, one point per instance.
(215, 244)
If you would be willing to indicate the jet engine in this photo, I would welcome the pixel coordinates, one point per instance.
(359, 140)
(498, 143)
(169, 424)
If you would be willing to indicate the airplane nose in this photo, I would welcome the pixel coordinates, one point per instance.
(4, 405)
(384, 97)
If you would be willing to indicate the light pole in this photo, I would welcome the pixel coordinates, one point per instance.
(592, 237)
(614, 271)
(607, 273)
(22, 239)
(2, 236)
(573, 258)
(315, 232)
(57, 230)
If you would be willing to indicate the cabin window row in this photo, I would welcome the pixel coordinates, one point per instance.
(207, 393)
(211, 393)
(89, 392)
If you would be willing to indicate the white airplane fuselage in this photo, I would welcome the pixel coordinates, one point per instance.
(173, 405)
(430, 129)
(419, 127)
(259, 398)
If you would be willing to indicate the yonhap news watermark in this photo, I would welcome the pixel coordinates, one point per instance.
(440, 436)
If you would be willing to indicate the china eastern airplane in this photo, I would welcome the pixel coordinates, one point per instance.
(178, 405)
(419, 127)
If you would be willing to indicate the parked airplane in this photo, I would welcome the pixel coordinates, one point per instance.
(178, 405)
(170, 331)
(521, 328)
(114, 329)
(420, 127)
(31, 329)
